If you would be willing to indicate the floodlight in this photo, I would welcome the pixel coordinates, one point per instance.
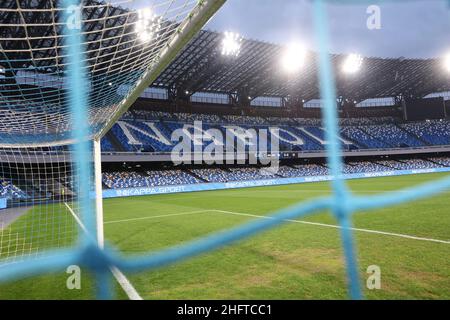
(147, 25)
(447, 62)
(231, 44)
(352, 63)
(293, 58)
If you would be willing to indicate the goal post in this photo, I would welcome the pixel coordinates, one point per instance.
(98, 192)
(184, 33)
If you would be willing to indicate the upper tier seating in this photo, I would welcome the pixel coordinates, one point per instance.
(190, 118)
(434, 132)
(392, 135)
(152, 131)
(106, 145)
(363, 139)
(244, 120)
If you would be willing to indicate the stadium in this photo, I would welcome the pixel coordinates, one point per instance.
(145, 156)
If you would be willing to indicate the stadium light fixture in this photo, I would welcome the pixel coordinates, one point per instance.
(352, 63)
(293, 58)
(447, 62)
(231, 44)
(147, 25)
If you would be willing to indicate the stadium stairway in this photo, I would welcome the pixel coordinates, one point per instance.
(115, 142)
(195, 175)
(425, 143)
(357, 144)
(165, 126)
(382, 165)
(388, 145)
(391, 166)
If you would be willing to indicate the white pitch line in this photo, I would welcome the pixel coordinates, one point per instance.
(290, 220)
(338, 227)
(326, 191)
(159, 216)
(126, 285)
(77, 219)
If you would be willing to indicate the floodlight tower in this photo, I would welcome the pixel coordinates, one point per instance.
(447, 62)
(292, 61)
(352, 63)
(351, 66)
(231, 44)
(293, 58)
(231, 48)
(148, 25)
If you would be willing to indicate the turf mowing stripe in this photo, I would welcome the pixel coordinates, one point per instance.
(126, 285)
(160, 216)
(338, 227)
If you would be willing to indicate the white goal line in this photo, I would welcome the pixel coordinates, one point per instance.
(123, 281)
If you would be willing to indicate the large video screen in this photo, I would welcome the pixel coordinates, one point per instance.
(423, 109)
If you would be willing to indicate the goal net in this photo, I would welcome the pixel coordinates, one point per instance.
(68, 70)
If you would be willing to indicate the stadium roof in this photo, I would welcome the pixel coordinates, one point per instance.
(202, 68)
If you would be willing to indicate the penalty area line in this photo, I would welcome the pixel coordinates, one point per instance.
(123, 281)
(392, 234)
(156, 217)
(399, 235)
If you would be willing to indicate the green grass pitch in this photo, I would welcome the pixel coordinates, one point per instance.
(294, 261)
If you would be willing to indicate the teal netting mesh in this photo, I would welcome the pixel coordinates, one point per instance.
(343, 203)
